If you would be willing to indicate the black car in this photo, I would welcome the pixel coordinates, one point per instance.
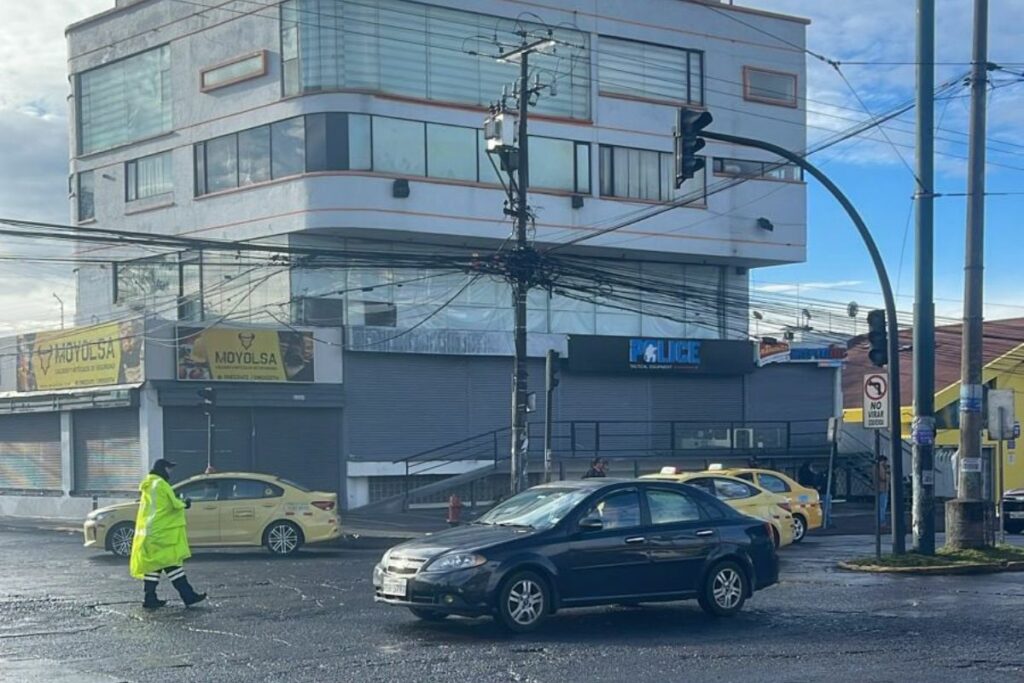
(575, 544)
(1013, 511)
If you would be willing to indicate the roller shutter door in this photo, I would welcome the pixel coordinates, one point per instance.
(107, 453)
(185, 440)
(300, 445)
(30, 452)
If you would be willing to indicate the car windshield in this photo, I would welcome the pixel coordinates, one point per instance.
(539, 508)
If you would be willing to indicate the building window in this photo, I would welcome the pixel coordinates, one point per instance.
(148, 176)
(451, 152)
(147, 280)
(86, 196)
(647, 71)
(235, 71)
(759, 170)
(769, 87)
(125, 101)
(650, 175)
(415, 50)
(399, 146)
(251, 156)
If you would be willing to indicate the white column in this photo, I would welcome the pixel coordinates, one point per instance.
(151, 427)
(67, 452)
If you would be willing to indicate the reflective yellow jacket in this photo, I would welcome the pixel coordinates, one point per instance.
(160, 539)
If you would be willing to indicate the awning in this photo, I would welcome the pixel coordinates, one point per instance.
(85, 398)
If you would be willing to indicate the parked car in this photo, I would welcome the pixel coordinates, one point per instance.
(741, 495)
(575, 544)
(231, 509)
(804, 502)
(1013, 511)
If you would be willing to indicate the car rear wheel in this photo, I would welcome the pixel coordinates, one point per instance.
(283, 538)
(428, 615)
(724, 590)
(523, 602)
(799, 528)
(119, 539)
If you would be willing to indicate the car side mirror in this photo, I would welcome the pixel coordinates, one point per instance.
(591, 523)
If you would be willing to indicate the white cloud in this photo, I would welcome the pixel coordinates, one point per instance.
(793, 288)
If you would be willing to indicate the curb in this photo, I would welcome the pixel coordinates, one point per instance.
(937, 570)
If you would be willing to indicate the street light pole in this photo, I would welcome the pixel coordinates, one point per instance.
(61, 302)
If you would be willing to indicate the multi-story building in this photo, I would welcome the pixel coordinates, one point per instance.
(357, 124)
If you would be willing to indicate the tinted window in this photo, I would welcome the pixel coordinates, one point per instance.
(733, 490)
(200, 491)
(668, 507)
(747, 476)
(773, 483)
(619, 510)
(541, 507)
(243, 489)
(706, 485)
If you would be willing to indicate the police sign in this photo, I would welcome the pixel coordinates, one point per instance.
(876, 403)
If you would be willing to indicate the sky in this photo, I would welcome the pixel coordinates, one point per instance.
(874, 172)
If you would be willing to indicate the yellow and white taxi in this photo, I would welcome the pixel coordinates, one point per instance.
(231, 509)
(740, 495)
(804, 502)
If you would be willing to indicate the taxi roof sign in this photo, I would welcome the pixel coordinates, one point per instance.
(668, 470)
(715, 467)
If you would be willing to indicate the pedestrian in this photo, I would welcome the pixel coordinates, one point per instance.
(160, 545)
(882, 478)
(597, 468)
(806, 476)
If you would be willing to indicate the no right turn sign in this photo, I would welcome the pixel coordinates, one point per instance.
(876, 401)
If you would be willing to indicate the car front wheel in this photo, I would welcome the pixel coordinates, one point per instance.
(724, 590)
(524, 601)
(119, 539)
(799, 528)
(283, 538)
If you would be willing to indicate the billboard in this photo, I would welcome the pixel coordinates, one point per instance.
(99, 355)
(628, 355)
(233, 354)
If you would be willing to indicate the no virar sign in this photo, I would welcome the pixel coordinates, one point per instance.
(876, 401)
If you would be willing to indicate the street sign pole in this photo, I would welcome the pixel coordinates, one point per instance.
(876, 418)
(878, 500)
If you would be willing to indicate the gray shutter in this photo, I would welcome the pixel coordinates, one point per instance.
(185, 440)
(299, 445)
(107, 453)
(30, 452)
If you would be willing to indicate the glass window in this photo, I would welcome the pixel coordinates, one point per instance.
(540, 507)
(583, 167)
(769, 87)
(668, 507)
(288, 147)
(398, 146)
(726, 489)
(199, 491)
(627, 67)
(746, 476)
(254, 156)
(222, 163)
(451, 152)
(86, 196)
(620, 510)
(552, 163)
(200, 160)
(360, 157)
(124, 101)
(773, 483)
(247, 489)
(148, 176)
(235, 72)
(633, 173)
(704, 484)
(748, 168)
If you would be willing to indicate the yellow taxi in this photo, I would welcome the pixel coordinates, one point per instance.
(740, 495)
(231, 509)
(804, 502)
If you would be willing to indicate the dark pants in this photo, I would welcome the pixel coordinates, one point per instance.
(178, 580)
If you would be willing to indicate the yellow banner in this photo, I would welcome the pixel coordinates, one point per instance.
(83, 357)
(244, 355)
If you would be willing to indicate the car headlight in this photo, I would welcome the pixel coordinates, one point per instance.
(97, 516)
(455, 561)
(387, 557)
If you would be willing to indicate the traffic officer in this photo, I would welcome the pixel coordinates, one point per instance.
(160, 544)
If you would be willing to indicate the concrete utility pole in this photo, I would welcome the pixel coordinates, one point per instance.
(923, 431)
(965, 516)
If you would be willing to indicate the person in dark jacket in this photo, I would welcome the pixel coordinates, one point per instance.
(806, 476)
(597, 469)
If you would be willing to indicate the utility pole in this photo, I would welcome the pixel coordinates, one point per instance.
(550, 382)
(61, 302)
(965, 516)
(923, 431)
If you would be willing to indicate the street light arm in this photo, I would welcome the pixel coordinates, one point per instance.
(895, 414)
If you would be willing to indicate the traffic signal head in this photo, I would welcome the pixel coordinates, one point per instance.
(878, 339)
(688, 127)
(208, 397)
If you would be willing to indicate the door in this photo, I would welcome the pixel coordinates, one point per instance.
(107, 453)
(680, 540)
(246, 507)
(203, 517)
(611, 561)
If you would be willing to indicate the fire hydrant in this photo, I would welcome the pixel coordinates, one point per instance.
(454, 510)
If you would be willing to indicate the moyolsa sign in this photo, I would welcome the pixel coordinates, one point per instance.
(631, 355)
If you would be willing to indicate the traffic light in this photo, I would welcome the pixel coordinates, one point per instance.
(878, 340)
(552, 370)
(208, 396)
(688, 127)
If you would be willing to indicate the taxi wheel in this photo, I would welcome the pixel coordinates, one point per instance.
(427, 614)
(119, 539)
(799, 528)
(282, 538)
(523, 602)
(724, 590)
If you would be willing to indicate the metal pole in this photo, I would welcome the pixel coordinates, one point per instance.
(209, 441)
(828, 484)
(895, 438)
(520, 285)
(878, 501)
(1000, 513)
(971, 389)
(923, 467)
(549, 392)
(61, 302)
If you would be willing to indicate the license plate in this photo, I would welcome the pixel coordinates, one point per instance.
(394, 586)
(1015, 515)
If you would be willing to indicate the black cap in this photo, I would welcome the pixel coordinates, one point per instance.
(164, 464)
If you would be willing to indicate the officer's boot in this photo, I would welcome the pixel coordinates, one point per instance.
(185, 590)
(150, 584)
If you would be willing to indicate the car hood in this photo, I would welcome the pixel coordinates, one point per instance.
(117, 507)
(473, 537)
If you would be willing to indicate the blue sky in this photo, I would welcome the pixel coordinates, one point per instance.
(33, 89)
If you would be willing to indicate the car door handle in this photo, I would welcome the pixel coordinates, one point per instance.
(635, 539)
(706, 532)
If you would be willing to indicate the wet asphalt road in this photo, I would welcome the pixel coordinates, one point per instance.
(69, 615)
